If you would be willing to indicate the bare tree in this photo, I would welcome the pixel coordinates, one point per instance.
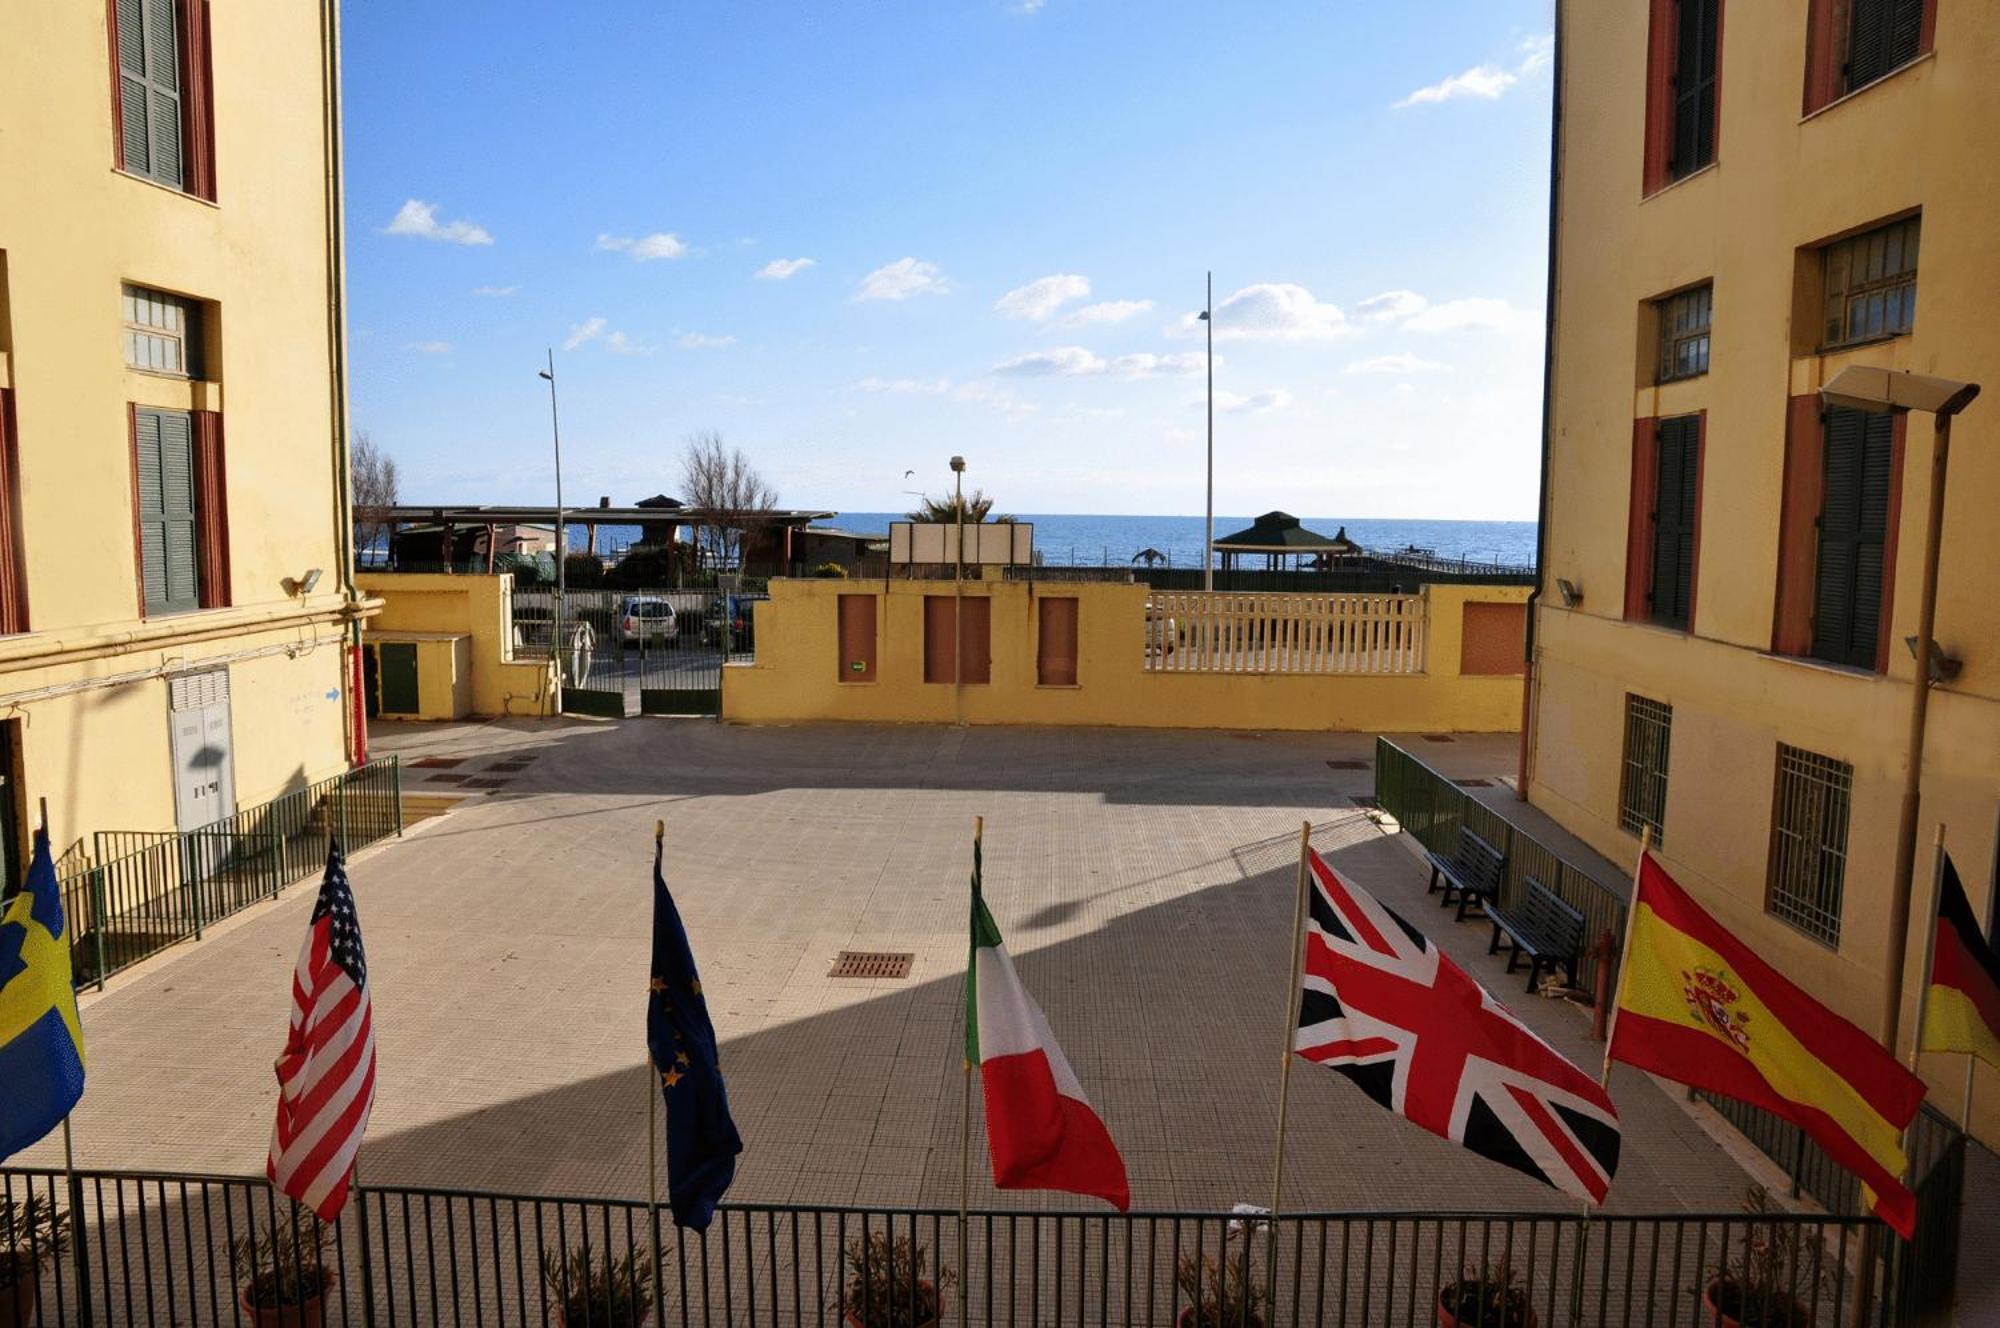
(373, 482)
(721, 479)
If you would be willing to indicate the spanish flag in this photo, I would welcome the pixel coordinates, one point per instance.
(1697, 1006)
(1962, 1007)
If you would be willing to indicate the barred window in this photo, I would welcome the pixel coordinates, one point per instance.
(1808, 870)
(1684, 321)
(162, 332)
(1871, 284)
(1642, 792)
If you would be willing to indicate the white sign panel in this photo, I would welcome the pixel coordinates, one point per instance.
(987, 543)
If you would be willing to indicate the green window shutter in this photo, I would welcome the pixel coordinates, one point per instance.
(132, 92)
(149, 88)
(169, 556)
(1697, 31)
(1882, 36)
(1675, 496)
(1854, 517)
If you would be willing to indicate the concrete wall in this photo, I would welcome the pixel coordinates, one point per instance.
(480, 609)
(799, 674)
(86, 679)
(1782, 184)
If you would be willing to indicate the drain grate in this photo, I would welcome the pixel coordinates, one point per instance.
(871, 964)
(438, 762)
(1473, 783)
(1347, 765)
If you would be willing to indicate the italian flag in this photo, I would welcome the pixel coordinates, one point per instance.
(1040, 1127)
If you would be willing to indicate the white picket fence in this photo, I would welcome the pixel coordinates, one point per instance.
(1223, 632)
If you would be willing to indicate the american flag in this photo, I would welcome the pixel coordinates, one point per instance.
(1386, 1008)
(326, 1077)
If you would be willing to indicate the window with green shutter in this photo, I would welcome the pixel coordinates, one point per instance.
(163, 443)
(1882, 36)
(149, 89)
(1853, 527)
(1675, 495)
(1697, 38)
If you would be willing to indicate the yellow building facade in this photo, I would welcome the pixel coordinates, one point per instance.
(175, 598)
(1752, 197)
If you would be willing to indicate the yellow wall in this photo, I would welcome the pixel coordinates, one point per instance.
(477, 607)
(796, 675)
(72, 229)
(1781, 183)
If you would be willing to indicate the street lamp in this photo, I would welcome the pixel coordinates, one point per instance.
(562, 535)
(1866, 387)
(958, 592)
(1208, 545)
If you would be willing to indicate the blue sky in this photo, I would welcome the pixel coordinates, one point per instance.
(1007, 210)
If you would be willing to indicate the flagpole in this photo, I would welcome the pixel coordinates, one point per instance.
(1618, 990)
(70, 1182)
(1965, 1116)
(1286, 1057)
(1930, 947)
(653, 1106)
(965, 1121)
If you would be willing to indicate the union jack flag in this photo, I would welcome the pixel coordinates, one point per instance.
(1386, 1008)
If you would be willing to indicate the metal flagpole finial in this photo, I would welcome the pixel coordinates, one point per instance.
(659, 832)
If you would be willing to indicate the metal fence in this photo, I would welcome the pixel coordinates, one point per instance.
(155, 1249)
(640, 651)
(1432, 808)
(1199, 632)
(136, 892)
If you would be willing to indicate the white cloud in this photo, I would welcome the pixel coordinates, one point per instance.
(1107, 311)
(1390, 306)
(783, 269)
(902, 279)
(1484, 82)
(1401, 363)
(903, 385)
(495, 292)
(1276, 311)
(1010, 406)
(704, 340)
(1029, 6)
(1477, 314)
(620, 344)
(1537, 52)
(1042, 296)
(431, 347)
(1257, 403)
(646, 248)
(588, 330)
(1079, 362)
(419, 219)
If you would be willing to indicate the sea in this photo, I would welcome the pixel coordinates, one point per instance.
(1073, 539)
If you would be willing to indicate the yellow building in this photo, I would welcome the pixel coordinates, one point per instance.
(1752, 197)
(175, 596)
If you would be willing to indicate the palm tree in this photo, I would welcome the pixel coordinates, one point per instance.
(944, 511)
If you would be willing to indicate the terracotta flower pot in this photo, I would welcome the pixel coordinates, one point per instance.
(1712, 1302)
(308, 1313)
(927, 1293)
(18, 1300)
(1446, 1319)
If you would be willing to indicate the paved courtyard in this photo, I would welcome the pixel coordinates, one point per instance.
(1142, 879)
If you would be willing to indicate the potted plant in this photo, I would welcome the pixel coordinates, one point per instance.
(601, 1289)
(886, 1286)
(1488, 1296)
(31, 1233)
(1772, 1282)
(1221, 1294)
(281, 1272)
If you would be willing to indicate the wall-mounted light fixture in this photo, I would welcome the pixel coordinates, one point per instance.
(302, 585)
(1943, 667)
(1572, 593)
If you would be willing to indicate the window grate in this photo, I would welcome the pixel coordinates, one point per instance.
(1809, 842)
(871, 964)
(1684, 328)
(1642, 792)
(1871, 284)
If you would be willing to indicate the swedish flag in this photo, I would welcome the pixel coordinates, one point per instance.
(41, 1041)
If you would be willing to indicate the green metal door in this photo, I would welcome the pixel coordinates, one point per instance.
(398, 677)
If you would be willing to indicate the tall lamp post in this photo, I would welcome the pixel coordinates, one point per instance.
(1208, 541)
(562, 535)
(1865, 387)
(958, 592)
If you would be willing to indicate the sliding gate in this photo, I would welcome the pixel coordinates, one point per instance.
(651, 652)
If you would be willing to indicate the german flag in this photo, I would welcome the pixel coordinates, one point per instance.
(1697, 1006)
(1962, 1006)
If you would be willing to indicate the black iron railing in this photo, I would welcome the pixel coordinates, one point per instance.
(154, 1249)
(1432, 808)
(136, 892)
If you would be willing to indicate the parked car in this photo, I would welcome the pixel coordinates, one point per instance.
(736, 608)
(647, 617)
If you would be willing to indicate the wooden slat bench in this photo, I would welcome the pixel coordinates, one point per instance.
(1471, 876)
(1544, 930)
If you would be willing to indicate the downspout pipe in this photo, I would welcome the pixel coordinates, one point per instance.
(1548, 403)
(356, 721)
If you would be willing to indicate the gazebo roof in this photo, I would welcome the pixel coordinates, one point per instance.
(1280, 532)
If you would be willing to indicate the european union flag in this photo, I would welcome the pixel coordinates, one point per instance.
(702, 1142)
(41, 1041)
